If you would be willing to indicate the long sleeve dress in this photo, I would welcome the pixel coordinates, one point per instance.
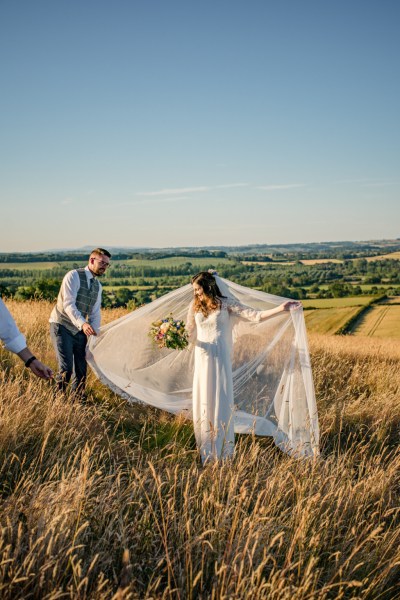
(213, 402)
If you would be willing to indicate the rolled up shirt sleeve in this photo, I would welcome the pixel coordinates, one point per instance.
(10, 335)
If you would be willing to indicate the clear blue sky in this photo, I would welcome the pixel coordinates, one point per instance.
(168, 122)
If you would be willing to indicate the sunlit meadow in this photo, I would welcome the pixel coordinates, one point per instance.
(107, 501)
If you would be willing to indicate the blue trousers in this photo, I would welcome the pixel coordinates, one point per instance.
(70, 350)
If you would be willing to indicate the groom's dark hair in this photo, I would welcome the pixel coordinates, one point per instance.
(101, 251)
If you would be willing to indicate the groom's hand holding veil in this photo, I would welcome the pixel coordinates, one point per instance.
(88, 329)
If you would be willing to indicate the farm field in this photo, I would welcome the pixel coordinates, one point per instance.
(175, 261)
(264, 263)
(380, 321)
(104, 500)
(367, 287)
(320, 261)
(391, 255)
(328, 320)
(327, 316)
(337, 302)
(34, 266)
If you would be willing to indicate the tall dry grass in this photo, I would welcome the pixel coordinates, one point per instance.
(104, 501)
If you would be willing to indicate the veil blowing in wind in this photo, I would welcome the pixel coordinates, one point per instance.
(272, 381)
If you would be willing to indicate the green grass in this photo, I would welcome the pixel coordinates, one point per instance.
(35, 266)
(175, 261)
(337, 302)
(366, 287)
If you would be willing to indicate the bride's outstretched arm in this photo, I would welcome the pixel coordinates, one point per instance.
(250, 314)
(274, 312)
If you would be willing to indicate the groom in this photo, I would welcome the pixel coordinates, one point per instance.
(75, 317)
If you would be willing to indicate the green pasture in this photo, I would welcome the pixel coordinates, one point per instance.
(35, 266)
(175, 261)
(337, 302)
(366, 287)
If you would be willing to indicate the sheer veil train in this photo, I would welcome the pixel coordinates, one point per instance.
(273, 387)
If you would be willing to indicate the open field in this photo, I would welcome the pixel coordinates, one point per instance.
(382, 321)
(391, 255)
(367, 287)
(337, 302)
(327, 316)
(104, 501)
(328, 320)
(264, 263)
(174, 261)
(320, 261)
(35, 266)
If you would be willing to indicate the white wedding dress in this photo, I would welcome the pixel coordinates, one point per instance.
(268, 361)
(213, 402)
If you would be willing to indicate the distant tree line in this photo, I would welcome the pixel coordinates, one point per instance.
(321, 280)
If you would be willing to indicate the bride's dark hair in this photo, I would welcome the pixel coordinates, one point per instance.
(212, 293)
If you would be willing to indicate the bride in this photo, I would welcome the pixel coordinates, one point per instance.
(209, 326)
(247, 369)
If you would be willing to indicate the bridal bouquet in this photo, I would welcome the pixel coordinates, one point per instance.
(168, 333)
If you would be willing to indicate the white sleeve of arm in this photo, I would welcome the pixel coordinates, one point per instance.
(94, 316)
(243, 311)
(13, 339)
(70, 286)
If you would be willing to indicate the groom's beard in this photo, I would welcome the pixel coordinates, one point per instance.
(100, 271)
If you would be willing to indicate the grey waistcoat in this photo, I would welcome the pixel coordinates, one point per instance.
(85, 301)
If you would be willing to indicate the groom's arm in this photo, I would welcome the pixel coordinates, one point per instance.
(70, 287)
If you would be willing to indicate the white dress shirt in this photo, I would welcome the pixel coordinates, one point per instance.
(69, 287)
(9, 332)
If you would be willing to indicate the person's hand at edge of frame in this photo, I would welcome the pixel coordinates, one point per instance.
(40, 370)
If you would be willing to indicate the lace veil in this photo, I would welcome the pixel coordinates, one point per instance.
(272, 380)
